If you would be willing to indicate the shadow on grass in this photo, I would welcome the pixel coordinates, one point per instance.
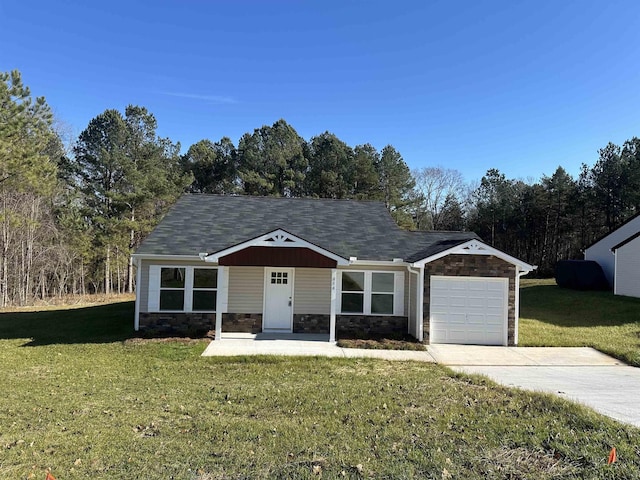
(107, 323)
(574, 308)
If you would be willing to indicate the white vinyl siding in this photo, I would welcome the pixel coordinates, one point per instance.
(601, 250)
(246, 289)
(627, 281)
(312, 291)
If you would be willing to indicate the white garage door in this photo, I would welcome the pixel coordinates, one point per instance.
(469, 310)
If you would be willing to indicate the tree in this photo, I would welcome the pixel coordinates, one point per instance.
(27, 180)
(365, 180)
(331, 167)
(396, 185)
(272, 162)
(213, 166)
(436, 185)
(128, 177)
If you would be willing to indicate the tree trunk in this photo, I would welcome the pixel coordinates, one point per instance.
(107, 273)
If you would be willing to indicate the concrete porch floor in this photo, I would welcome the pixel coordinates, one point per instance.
(304, 344)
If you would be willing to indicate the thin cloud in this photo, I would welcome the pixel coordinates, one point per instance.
(196, 96)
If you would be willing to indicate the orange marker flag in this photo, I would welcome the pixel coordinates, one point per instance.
(612, 456)
(50, 477)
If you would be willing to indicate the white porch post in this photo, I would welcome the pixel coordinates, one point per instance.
(420, 305)
(221, 301)
(136, 320)
(334, 297)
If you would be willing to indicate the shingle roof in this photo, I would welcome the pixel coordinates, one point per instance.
(349, 228)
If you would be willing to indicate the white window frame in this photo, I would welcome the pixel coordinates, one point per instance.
(155, 291)
(398, 293)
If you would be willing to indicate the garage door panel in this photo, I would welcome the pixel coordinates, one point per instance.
(468, 310)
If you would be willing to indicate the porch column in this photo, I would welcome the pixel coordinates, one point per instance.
(221, 300)
(332, 312)
(420, 306)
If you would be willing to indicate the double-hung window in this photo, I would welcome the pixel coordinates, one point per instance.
(372, 293)
(205, 289)
(183, 289)
(172, 283)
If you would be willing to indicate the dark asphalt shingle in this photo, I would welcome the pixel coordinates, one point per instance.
(349, 228)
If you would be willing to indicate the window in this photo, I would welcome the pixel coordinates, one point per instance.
(352, 292)
(382, 286)
(205, 284)
(172, 288)
(372, 293)
(185, 289)
(279, 278)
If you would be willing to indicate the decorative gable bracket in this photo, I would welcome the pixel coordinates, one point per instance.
(276, 238)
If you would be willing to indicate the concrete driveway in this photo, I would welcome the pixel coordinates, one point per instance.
(582, 375)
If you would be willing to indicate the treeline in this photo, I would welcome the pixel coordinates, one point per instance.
(72, 212)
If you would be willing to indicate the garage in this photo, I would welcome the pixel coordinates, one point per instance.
(469, 310)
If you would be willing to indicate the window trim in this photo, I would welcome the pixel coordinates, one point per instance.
(188, 288)
(398, 293)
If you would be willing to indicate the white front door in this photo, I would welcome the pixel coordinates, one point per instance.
(469, 310)
(278, 300)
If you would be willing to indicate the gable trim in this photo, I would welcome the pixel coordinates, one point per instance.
(476, 247)
(277, 239)
(624, 242)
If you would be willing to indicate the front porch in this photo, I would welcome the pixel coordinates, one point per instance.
(300, 344)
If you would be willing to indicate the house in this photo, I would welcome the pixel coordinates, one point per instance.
(626, 254)
(618, 253)
(266, 264)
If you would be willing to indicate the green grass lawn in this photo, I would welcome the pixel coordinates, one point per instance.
(554, 316)
(80, 397)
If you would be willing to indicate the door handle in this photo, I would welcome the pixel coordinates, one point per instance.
(289, 301)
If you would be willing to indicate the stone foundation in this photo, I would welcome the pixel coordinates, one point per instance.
(367, 325)
(310, 323)
(198, 324)
(175, 323)
(471, 266)
(242, 322)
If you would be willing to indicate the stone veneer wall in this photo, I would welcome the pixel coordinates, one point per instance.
(351, 325)
(242, 322)
(197, 324)
(310, 323)
(200, 323)
(471, 266)
(364, 325)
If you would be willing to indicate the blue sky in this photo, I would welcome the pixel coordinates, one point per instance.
(522, 86)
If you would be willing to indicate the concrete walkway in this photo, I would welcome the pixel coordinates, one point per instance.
(294, 344)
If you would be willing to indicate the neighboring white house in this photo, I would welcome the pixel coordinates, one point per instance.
(601, 251)
(627, 266)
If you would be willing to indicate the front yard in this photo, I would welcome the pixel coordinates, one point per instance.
(80, 397)
(559, 317)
